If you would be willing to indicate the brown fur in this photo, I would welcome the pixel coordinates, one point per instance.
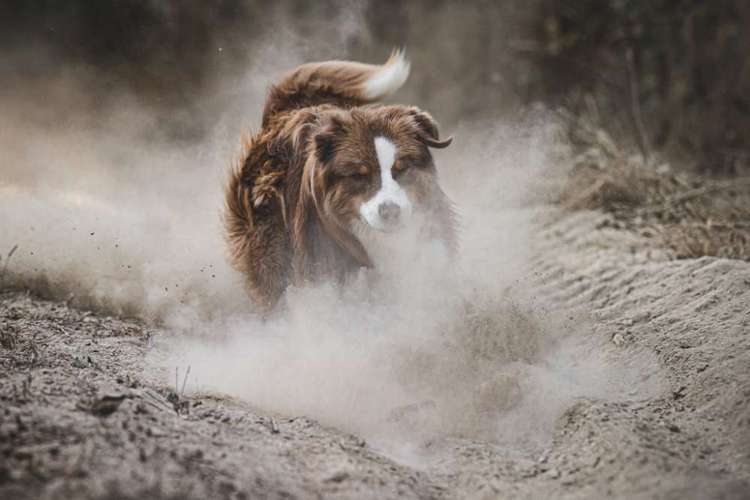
(317, 136)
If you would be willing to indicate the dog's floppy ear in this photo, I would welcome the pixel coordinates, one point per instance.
(428, 129)
(327, 139)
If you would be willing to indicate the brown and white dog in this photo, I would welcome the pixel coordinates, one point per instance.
(325, 167)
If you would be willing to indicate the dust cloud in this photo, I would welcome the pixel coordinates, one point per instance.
(108, 211)
(424, 346)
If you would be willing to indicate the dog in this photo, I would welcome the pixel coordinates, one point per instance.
(326, 165)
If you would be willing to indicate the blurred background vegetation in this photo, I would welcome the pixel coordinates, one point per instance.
(674, 73)
(667, 77)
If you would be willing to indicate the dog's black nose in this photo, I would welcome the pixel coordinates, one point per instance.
(389, 211)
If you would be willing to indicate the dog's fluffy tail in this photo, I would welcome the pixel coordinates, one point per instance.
(343, 83)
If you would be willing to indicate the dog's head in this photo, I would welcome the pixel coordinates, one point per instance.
(372, 168)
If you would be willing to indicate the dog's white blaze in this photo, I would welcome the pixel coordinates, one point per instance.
(390, 191)
(388, 78)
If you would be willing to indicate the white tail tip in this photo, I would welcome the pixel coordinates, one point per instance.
(389, 78)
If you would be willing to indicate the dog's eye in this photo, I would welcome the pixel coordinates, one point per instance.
(356, 170)
(398, 170)
(359, 170)
(400, 167)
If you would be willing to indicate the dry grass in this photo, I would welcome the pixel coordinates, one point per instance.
(689, 241)
(8, 338)
(692, 216)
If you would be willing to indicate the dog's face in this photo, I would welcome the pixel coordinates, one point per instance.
(373, 167)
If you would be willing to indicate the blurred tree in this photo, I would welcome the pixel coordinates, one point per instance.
(672, 75)
(680, 67)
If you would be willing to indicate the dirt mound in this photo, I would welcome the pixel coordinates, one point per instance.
(82, 417)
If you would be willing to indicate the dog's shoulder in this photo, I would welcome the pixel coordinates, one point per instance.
(272, 160)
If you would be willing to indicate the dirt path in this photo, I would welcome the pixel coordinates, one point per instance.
(80, 419)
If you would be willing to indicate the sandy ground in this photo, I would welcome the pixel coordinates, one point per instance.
(82, 417)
